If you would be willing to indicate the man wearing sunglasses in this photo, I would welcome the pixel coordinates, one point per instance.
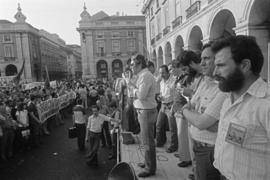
(145, 104)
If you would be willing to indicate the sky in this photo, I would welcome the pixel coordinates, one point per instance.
(62, 16)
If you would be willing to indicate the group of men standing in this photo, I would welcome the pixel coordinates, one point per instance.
(222, 100)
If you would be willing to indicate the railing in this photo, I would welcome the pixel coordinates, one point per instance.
(153, 41)
(166, 30)
(177, 22)
(116, 54)
(100, 54)
(159, 36)
(9, 58)
(194, 8)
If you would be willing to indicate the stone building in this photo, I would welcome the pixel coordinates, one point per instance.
(107, 43)
(175, 25)
(19, 41)
(74, 61)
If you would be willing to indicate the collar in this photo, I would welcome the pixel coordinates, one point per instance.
(142, 72)
(258, 89)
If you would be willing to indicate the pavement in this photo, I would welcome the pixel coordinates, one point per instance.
(58, 158)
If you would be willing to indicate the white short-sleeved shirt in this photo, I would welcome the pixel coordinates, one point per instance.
(242, 150)
(95, 122)
(206, 93)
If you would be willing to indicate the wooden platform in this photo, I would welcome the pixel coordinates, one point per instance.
(167, 168)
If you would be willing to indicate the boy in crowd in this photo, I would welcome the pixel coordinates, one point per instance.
(94, 129)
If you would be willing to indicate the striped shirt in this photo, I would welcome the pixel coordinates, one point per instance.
(206, 93)
(78, 113)
(248, 118)
(167, 89)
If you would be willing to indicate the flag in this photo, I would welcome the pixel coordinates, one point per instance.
(17, 78)
(47, 80)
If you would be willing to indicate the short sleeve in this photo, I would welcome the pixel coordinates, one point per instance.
(214, 108)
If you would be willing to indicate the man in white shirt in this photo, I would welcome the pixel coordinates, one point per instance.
(145, 104)
(242, 150)
(167, 90)
(94, 129)
(202, 116)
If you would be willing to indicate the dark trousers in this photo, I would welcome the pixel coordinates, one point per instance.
(94, 141)
(35, 132)
(161, 126)
(105, 135)
(81, 132)
(7, 142)
(114, 144)
(147, 119)
(204, 158)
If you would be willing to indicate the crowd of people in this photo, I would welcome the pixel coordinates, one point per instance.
(215, 105)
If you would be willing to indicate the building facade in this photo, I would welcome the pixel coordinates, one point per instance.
(74, 62)
(107, 43)
(54, 53)
(176, 25)
(19, 41)
(40, 49)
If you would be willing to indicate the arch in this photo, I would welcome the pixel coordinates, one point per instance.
(102, 69)
(117, 68)
(11, 70)
(160, 57)
(222, 25)
(154, 57)
(195, 39)
(168, 53)
(258, 12)
(179, 46)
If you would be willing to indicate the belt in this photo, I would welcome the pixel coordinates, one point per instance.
(167, 104)
(145, 109)
(202, 144)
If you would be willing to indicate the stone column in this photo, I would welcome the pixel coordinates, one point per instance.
(26, 54)
(85, 69)
(90, 54)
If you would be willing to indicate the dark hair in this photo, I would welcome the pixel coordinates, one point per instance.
(176, 63)
(242, 47)
(186, 57)
(140, 59)
(94, 107)
(79, 101)
(207, 45)
(32, 97)
(150, 63)
(165, 67)
(113, 104)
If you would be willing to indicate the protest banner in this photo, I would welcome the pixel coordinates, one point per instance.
(49, 108)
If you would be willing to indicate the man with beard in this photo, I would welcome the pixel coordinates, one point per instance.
(242, 148)
(201, 117)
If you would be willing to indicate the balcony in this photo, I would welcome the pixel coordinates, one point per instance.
(166, 30)
(116, 54)
(159, 36)
(153, 41)
(193, 9)
(100, 54)
(177, 22)
(9, 58)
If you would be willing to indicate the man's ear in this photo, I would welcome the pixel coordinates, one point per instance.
(245, 65)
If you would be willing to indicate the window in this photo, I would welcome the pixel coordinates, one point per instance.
(115, 46)
(7, 38)
(100, 35)
(103, 66)
(166, 15)
(131, 45)
(101, 48)
(158, 23)
(130, 34)
(177, 8)
(117, 65)
(152, 29)
(8, 51)
(115, 34)
(114, 22)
